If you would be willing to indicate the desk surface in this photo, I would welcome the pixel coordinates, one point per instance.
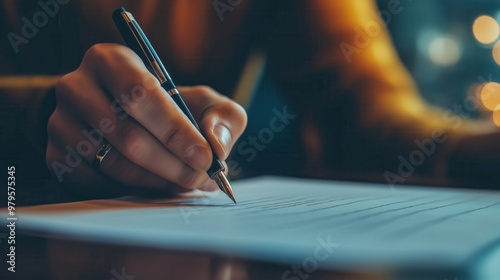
(334, 226)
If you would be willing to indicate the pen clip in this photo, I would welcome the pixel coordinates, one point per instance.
(139, 43)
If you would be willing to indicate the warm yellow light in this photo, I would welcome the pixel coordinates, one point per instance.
(490, 96)
(485, 29)
(444, 51)
(496, 117)
(496, 52)
(474, 90)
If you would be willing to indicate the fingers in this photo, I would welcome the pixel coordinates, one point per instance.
(119, 70)
(134, 146)
(222, 120)
(112, 97)
(70, 138)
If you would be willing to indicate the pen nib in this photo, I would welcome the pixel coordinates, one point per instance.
(224, 185)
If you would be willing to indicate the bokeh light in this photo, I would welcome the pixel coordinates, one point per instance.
(485, 29)
(496, 117)
(490, 96)
(496, 52)
(444, 51)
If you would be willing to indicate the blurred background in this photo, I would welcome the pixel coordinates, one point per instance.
(452, 50)
(450, 47)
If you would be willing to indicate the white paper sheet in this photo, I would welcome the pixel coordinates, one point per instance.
(339, 224)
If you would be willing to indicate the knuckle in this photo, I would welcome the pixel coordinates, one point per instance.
(97, 52)
(65, 86)
(69, 89)
(104, 54)
(136, 97)
(55, 125)
(133, 147)
(172, 133)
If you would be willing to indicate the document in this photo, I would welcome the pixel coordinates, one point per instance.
(343, 225)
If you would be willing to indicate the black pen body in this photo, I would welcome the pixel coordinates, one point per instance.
(217, 165)
(136, 40)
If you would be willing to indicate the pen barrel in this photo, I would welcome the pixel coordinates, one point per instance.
(136, 40)
(217, 165)
(182, 105)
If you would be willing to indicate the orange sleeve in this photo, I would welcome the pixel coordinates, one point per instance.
(362, 110)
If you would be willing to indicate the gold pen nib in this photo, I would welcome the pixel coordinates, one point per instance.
(224, 185)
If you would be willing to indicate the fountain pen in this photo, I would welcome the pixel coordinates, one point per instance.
(136, 40)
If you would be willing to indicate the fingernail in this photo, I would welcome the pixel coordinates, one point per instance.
(224, 136)
(197, 157)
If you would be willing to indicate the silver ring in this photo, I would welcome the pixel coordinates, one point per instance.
(101, 154)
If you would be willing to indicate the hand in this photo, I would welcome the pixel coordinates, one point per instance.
(112, 96)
